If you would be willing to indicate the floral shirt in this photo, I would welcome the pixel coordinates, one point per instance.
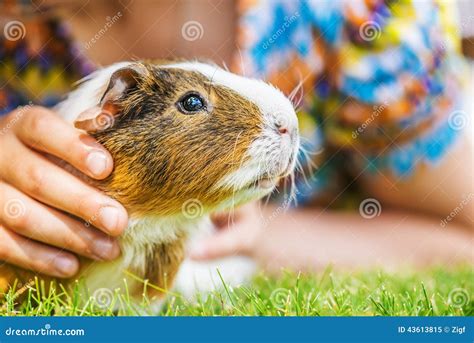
(39, 62)
(377, 83)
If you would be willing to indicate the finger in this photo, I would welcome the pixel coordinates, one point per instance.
(36, 221)
(25, 253)
(48, 183)
(222, 244)
(45, 131)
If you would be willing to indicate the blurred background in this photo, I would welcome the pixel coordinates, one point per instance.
(159, 26)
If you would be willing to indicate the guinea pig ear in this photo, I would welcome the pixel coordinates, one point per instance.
(102, 116)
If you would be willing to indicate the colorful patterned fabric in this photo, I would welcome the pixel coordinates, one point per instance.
(39, 62)
(381, 79)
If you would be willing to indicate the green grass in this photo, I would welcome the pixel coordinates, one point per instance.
(432, 292)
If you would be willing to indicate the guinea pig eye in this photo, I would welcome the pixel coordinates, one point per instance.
(191, 103)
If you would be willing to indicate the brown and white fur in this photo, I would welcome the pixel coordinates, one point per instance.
(233, 151)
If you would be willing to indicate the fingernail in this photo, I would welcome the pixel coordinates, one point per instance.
(96, 162)
(109, 217)
(105, 249)
(65, 265)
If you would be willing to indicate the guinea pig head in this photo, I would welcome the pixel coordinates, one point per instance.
(191, 134)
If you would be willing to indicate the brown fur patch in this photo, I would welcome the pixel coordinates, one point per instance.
(162, 266)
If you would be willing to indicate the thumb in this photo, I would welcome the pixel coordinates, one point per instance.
(221, 244)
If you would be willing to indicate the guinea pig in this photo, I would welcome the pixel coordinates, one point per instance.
(187, 139)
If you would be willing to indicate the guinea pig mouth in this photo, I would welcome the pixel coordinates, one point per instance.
(267, 181)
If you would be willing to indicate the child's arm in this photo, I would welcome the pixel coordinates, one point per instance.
(311, 239)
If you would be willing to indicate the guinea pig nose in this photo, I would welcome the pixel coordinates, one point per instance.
(281, 127)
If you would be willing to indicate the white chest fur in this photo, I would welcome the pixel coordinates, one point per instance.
(137, 244)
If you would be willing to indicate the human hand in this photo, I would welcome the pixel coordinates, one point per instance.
(37, 197)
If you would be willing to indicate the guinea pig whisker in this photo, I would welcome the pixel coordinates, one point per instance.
(303, 172)
(296, 93)
(308, 142)
(211, 82)
(242, 65)
(242, 158)
(293, 191)
(306, 170)
(308, 157)
(224, 65)
(267, 200)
